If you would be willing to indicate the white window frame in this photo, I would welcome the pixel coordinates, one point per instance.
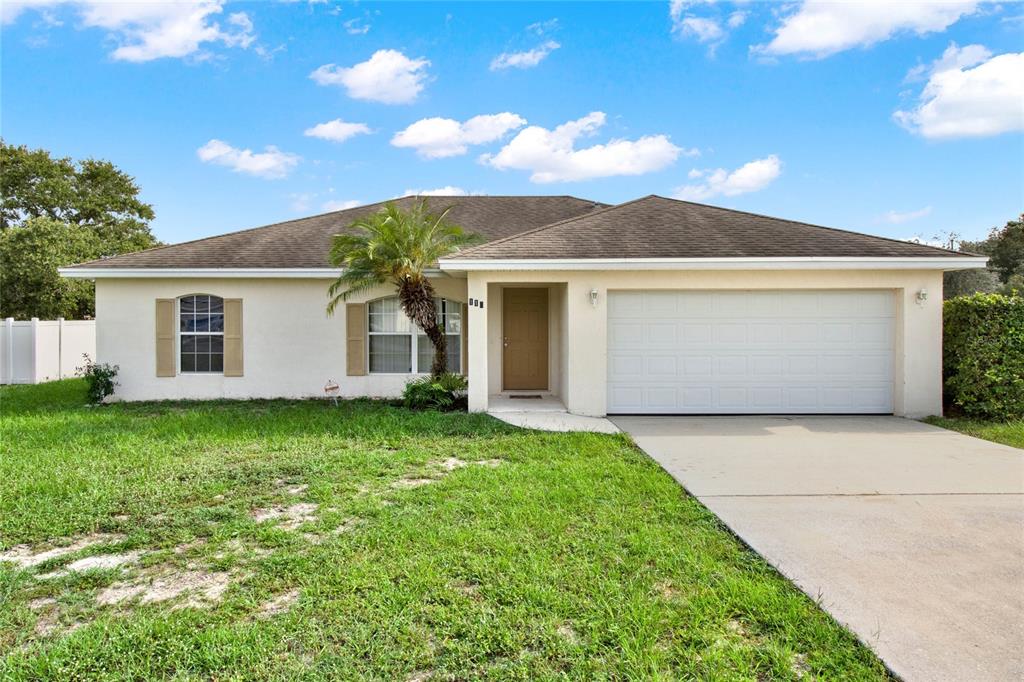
(414, 332)
(178, 333)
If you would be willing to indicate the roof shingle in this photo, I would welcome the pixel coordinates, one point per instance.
(656, 227)
(305, 243)
(543, 227)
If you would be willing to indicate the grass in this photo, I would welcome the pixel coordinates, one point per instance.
(1007, 433)
(442, 547)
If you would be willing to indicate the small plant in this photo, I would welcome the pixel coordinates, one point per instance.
(99, 377)
(444, 392)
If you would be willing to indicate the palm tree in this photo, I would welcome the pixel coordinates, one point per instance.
(397, 246)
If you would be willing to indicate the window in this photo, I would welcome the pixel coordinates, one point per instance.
(201, 333)
(398, 347)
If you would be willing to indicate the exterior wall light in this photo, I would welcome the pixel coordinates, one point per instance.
(922, 296)
(593, 297)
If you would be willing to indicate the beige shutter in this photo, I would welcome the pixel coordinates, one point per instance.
(165, 360)
(355, 336)
(465, 339)
(232, 337)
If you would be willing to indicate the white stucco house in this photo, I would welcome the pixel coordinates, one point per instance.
(654, 306)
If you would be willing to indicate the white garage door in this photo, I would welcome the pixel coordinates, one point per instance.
(699, 352)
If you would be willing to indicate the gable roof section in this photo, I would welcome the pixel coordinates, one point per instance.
(656, 227)
(305, 243)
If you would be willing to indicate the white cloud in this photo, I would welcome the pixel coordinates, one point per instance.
(337, 130)
(819, 28)
(271, 164)
(446, 191)
(736, 19)
(436, 138)
(524, 60)
(953, 58)
(355, 27)
(900, 217)
(961, 101)
(542, 27)
(144, 31)
(388, 76)
(340, 204)
(704, 29)
(750, 177)
(551, 156)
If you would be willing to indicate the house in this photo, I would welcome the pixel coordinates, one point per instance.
(654, 306)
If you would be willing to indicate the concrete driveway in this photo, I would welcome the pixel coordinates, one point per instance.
(912, 536)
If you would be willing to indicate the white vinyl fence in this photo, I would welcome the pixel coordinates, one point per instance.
(44, 350)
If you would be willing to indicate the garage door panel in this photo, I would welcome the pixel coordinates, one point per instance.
(661, 333)
(714, 352)
(661, 366)
(626, 334)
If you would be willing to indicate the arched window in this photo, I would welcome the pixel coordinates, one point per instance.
(398, 347)
(201, 333)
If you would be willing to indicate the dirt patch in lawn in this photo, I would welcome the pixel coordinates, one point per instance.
(567, 632)
(290, 517)
(27, 556)
(407, 483)
(201, 588)
(799, 666)
(103, 561)
(445, 467)
(278, 604)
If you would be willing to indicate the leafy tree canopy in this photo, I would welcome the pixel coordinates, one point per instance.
(1005, 248)
(29, 282)
(56, 212)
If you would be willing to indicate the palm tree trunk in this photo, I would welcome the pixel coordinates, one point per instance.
(416, 296)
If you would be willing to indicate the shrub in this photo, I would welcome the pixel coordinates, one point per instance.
(99, 378)
(983, 355)
(444, 392)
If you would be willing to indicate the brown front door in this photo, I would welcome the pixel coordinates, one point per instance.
(525, 339)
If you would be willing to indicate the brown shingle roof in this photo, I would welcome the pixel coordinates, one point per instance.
(656, 227)
(304, 243)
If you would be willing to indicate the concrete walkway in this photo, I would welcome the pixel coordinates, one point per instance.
(543, 413)
(556, 421)
(912, 536)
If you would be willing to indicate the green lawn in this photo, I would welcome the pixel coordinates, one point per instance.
(1008, 433)
(286, 539)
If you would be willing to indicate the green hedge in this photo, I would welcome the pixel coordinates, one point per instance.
(983, 355)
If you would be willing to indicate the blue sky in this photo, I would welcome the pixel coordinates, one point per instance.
(789, 110)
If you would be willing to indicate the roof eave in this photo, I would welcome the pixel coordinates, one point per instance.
(209, 273)
(791, 263)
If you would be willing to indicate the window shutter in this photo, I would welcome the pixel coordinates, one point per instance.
(232, 337)
(464, 319)
(165, 360)
(355, 336)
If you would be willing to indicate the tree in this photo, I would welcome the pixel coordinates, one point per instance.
(29, 281)
(396, 246)
(966, 282)
(100, 211)
(1005, 249)
(1007, 255)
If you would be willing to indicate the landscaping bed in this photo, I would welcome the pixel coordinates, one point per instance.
(296, 539)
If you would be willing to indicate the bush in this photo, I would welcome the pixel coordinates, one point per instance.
(98, 378)
(444, 392)
(983, 355)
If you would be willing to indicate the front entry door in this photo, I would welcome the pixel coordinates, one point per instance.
(525, 339)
